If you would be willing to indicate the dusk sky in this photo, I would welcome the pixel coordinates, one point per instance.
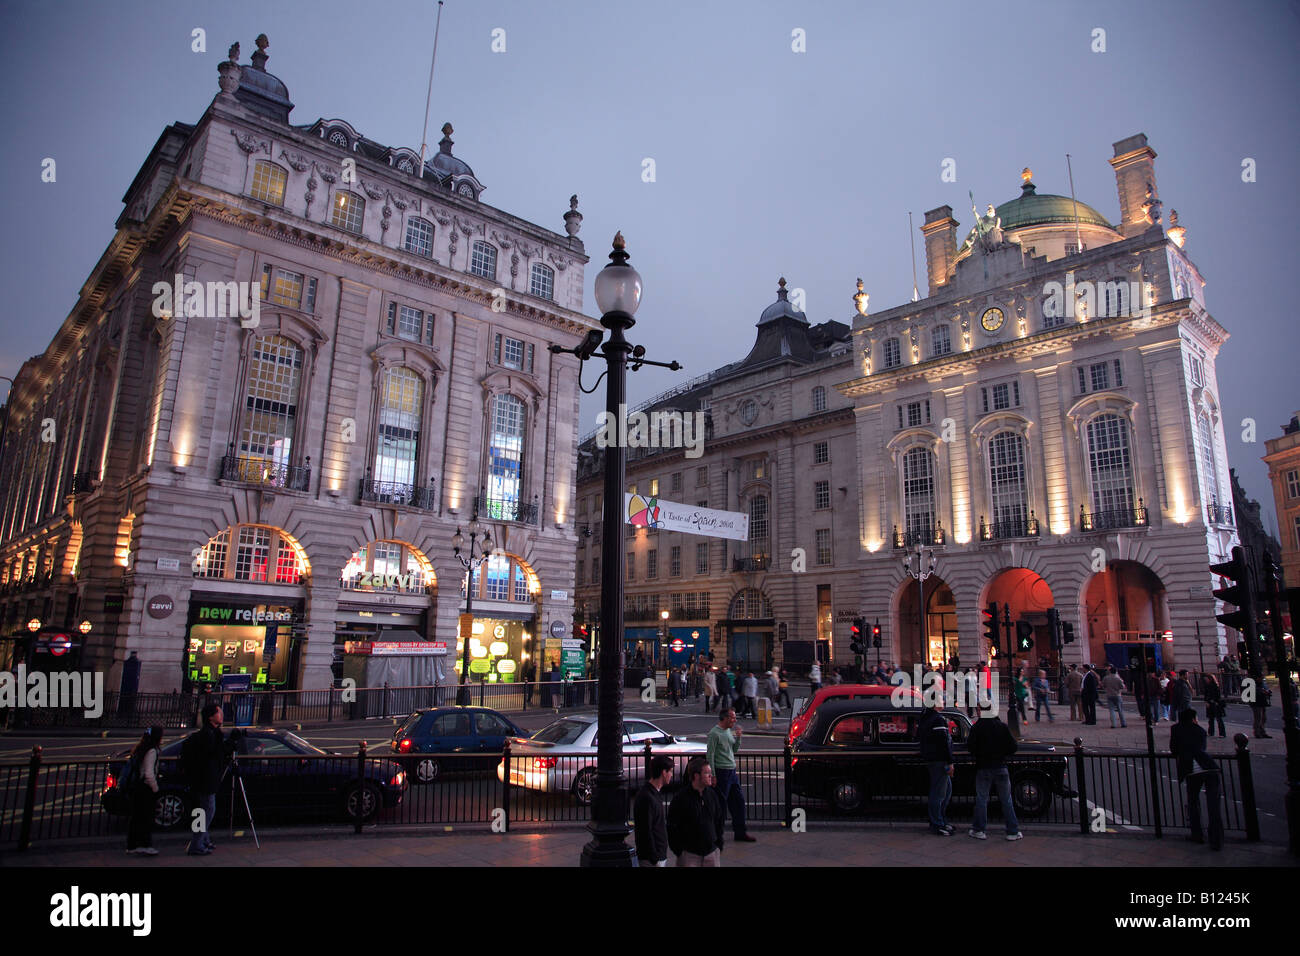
(768, 162)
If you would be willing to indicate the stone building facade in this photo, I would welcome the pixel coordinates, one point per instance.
(1283, 459)
(1046, 423)
(225, 491)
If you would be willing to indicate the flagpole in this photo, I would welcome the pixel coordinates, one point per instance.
(1078, 242)
(912, 236)
(428, 99)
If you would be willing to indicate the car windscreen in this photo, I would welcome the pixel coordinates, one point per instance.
(300, 745)
(560, 732)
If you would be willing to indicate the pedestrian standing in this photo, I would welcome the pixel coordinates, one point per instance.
(1153, 697)
(1259, 710)
(143, 790)
(724, 743)
(1112, 685)
(936, 751)
(814, 679)
(203, 756)
(1088, 695)
(991, 743)
(1042, 689)
(530, 673)
(972, 681)
(710, 689)
(649, 818)
(1021, 693)
(1180, 694)
(1166, 679)
(726, 689)
(783, 687)
(751, 694)
(1073, 686)
(1214, 709)
(1198, 770)
(673, 688)
(696, 818)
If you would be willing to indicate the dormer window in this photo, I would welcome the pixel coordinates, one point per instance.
(339, 138)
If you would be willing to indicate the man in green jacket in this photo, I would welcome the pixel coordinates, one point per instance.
(724, 743)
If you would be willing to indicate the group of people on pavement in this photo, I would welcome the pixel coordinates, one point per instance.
(725, 687)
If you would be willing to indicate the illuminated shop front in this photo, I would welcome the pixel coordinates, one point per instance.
(503, 636)
(385, 594)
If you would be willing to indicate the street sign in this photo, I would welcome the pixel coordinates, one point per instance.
(678, 645)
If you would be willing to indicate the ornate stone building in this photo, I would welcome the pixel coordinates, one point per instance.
(779, 447)
(303, 361)
(1283, 459)
(1046, 422)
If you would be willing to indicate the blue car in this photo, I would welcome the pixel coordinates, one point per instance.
(448, 738)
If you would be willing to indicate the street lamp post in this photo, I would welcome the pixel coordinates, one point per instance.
(483, 540)
(618, 293)
(921, 572)
(663, 637)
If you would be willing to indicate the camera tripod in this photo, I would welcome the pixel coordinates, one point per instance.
(232, 770)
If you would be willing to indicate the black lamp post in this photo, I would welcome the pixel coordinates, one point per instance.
(618, 293)
(470, 564)
(921, 572)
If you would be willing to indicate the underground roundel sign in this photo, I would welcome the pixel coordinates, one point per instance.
(678, 645)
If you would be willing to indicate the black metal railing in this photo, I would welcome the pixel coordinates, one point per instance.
(757, 562)
(924, 537)
(261, 471)
(1220, 514)
(1113, 519)
(398, 493)
(1085, 791)
(506, 509)
(1014, 528)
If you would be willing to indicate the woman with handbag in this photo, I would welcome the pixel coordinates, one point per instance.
(1214, 708)
(142, 781)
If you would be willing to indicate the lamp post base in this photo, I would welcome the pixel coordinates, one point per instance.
(608, 847)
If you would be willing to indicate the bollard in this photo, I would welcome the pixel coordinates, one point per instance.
(361, 783)
(29, 801)
(505, 784)
(1081, 784)
(1247, 786)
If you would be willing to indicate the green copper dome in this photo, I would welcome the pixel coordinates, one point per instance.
(1031, 209)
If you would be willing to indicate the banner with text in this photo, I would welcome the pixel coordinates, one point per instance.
(646, 512)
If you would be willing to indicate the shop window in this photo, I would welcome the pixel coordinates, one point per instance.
(262, 555)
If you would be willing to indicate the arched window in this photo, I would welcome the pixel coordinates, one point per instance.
(1209, 468)
(542, 281)
(819, 399)
(918, 495)
(387, 566)
(758, 528)
(270, 414)
(940, 340)
(1007, 483)
(349, 211)
(893, 354)
(268, 183)
(483, 260)
(397, 442)
(1110, 467)
(261, 555)
(506, 457)
(419, 237)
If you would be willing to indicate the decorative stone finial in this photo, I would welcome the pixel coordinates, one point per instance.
(1026, 175)
(861, 299)
(780, 288)
(573, 218)
(229, 72)
(233, 53)
(1151, 207)
(260, 57)
(573, 202)
(445, 144)
(1176, 232)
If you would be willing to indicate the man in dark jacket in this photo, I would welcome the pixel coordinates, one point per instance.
(1198, 770)
(1180, 694)
(1088, 694)
(936, 751)
(649, 817)
(696, 819)
(991, 744)
(204, 757)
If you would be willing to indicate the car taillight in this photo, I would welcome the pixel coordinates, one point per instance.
(544, 763)
(405, 745)
(110, 782)
(398, 780)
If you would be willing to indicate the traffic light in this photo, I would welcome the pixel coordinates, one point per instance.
(1054, 627)
(1243, 655)
(991, 624)
(1024, 636)
(1237, 592)
(857, 632)
(1067, 632)
(875, 636)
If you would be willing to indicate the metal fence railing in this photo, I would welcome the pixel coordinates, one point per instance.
(1086, 791)
(265, 707)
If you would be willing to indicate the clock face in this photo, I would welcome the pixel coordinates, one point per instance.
(992, 319)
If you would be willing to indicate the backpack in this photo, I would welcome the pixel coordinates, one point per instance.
(131, 775)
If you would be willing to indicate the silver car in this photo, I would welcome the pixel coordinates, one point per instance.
(561, 757)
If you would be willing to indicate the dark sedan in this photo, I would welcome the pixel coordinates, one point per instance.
(284, 776)
(854, 752)
(449, 738)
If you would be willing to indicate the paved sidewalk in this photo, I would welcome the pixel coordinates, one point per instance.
(820, 846)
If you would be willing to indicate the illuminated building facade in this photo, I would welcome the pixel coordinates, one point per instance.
(219, 488)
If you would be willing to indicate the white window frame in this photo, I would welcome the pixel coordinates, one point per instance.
(349, 214)
(541, 281)
(479, 259)
(414, 225)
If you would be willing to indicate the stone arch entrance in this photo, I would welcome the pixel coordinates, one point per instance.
(1028, 597)
(1125, 602)
(935, 643)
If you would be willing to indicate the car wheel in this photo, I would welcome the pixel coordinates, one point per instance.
(363, 801)
(426, 770)
(584, 786)
(168, 810)
(1032, 794)
(846, 796)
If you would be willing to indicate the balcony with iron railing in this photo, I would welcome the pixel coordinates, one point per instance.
(262, 471)
(1216, 513)
(506, 509)
(691, 612)
(83, 482)
(641, 614)
(1114, 519)
(923, 538)
(398, 493)
(1014, 528)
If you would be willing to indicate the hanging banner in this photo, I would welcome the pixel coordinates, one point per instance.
(645, 512)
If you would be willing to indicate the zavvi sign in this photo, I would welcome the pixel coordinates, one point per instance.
(160, 606)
